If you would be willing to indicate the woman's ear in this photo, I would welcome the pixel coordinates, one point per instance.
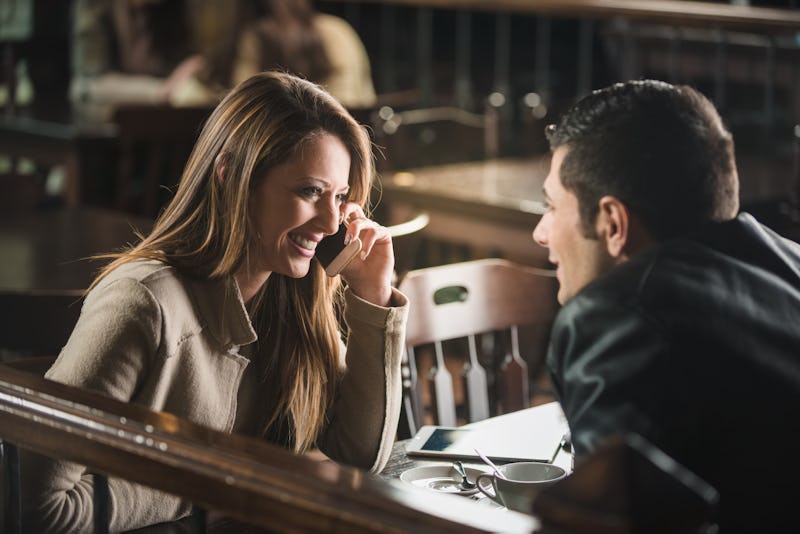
(614, 225)
(220, 167)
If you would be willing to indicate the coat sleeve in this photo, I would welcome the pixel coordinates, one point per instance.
(115, 338)
(605, 361)
(364, 419)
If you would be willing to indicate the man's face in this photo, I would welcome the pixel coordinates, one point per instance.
(578, 259)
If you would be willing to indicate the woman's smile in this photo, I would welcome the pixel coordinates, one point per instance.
(306, 246)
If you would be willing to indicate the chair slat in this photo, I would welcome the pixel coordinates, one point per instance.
(442, 391)
(515, 392)
(476, 386)
(412, 389)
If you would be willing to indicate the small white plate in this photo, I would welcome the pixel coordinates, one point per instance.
(440, 478)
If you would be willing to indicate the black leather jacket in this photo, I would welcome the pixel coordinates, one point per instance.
(695, 344)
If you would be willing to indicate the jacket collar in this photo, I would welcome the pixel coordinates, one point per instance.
(224, 313)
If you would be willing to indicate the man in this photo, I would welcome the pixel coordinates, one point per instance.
(680, 317)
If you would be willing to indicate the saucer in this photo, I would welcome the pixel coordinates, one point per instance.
(483, 500)
(440, 478)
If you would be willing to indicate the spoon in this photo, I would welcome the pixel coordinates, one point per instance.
(465, 483)
(490, 464)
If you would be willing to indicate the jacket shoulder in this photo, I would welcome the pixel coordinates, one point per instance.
(171, 293)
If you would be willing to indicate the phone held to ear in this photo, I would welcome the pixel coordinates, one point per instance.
(333, 254)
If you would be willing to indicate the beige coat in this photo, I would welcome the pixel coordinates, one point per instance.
(350, 81)
(150, 336)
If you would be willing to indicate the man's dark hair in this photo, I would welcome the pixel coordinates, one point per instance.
(660, 149)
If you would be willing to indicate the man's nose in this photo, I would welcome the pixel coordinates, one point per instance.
(540, 231)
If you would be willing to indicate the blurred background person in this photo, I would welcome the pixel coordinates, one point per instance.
(290, 35)
(142, 51)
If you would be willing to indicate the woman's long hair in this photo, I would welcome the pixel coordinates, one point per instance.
(206, 232)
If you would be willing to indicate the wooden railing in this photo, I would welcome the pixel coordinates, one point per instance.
(390, 48)
(241, 478)
(680, 12)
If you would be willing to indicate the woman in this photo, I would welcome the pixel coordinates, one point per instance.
(290, 35)
(222, 316)
(142, 51)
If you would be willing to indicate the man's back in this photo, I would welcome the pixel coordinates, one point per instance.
(696, 345)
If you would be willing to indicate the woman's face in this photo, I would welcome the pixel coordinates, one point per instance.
(298, 203)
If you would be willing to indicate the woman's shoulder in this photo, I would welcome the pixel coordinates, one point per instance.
(351, 80)
(336, 30)
(162, 281)
(177, 294)
(143, 271)
(170, 286)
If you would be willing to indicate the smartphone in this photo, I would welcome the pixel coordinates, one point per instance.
(502, 442)
(333, 254)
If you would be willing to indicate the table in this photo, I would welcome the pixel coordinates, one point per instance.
(532, 417)
(491, 205)
(45, 249)
(400, 462)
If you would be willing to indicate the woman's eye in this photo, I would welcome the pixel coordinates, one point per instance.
(342, 198)
(311, 191)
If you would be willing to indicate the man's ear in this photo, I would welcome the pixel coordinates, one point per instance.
(220, 167)
(614, 226)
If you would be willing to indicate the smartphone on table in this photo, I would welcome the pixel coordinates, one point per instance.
(333, 254)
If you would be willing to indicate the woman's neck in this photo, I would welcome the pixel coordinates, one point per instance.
(250, 283)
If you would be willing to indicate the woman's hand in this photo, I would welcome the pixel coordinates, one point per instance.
(188, 68)
(370, 274)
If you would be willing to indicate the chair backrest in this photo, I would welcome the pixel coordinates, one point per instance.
(154, 143)
(434, 136)
(470, 314)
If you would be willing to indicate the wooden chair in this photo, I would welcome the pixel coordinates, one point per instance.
(434, 136)
(471, 313)
(154, 143)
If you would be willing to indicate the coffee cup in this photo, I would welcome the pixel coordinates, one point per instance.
(522, 483)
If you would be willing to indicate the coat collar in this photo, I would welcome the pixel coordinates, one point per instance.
(224, 312)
